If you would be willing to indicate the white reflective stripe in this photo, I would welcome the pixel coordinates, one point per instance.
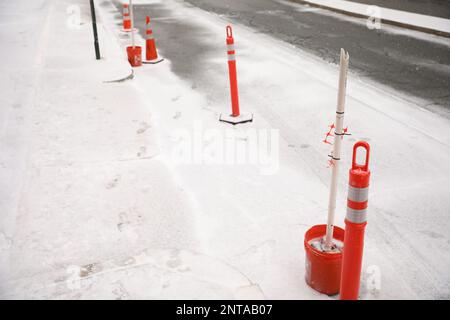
(126, 18)
(358, 194)
(231, 57)
(125, 11)
(230, 47)
(356, 216)
(149, 36)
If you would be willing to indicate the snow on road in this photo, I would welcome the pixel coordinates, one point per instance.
(120, 191)
(416, 20)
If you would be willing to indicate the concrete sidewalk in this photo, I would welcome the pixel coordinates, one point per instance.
(83, 200)
(409, 20)
(434, 8)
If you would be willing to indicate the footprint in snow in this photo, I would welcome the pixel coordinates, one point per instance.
(113, 183)
(143, 128)
(177, 115)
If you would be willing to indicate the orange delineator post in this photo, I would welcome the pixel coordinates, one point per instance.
(150, 45)
(233, 73)
(355, 224)
(235, 117)
(126, 17)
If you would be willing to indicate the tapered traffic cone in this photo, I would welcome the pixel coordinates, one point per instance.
(150, 45)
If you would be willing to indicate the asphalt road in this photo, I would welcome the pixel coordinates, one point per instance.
(414, 66)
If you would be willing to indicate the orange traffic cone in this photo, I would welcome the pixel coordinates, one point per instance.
(126, 18)
(150, 45)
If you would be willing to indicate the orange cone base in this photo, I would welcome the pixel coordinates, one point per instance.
(323, 269)
(152, 61)
(242, 118)
(134, 56)
(151, 54)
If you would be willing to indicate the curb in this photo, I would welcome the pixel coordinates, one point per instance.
(112, 51)
(391, 22)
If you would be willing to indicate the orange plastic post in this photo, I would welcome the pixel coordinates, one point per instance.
(150, 45)
(355, 224)
(232, 73)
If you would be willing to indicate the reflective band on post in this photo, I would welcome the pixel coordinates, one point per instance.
(126, 18)
(149, 36)
(356, 216)
(230, 47)
(231, 57)
(358, 194)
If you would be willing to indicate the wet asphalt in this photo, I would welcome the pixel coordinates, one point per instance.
(415, 66)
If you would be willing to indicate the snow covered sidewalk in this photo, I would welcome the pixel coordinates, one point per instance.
(402, 18)
(83, 203)
(97, 202)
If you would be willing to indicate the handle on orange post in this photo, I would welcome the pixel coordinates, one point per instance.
(366, 146)
(229, 32)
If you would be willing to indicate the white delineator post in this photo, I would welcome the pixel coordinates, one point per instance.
(132, 23)
(336, 155)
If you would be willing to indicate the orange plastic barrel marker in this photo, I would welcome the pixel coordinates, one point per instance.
(355, 224)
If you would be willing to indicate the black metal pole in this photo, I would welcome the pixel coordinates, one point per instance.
(94, 26)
